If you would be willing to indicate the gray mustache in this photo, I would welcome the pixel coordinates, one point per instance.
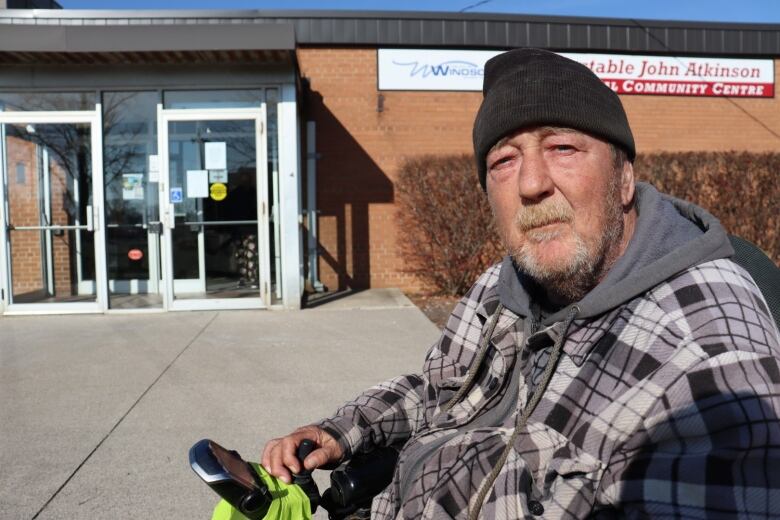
(532, 217)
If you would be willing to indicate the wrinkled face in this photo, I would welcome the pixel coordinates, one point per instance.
(558, 199)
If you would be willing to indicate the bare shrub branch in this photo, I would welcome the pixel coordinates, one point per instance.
(447, 235)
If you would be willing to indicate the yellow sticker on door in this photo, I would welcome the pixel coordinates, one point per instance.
(218, 191)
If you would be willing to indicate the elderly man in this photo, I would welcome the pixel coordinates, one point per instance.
(615, 363)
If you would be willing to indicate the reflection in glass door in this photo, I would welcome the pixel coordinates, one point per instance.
(217, 216)
(49, 209)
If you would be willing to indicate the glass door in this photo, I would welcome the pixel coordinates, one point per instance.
(52, 188)
(131, 171)
(214, 197)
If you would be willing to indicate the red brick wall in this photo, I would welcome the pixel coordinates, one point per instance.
(361, 149)
(61, 190)
(669, 123)
(24, 211)
(23, 202)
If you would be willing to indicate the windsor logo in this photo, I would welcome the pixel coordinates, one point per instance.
(447, 68)
(431, 69)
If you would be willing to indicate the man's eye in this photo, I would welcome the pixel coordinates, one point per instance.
(501, 161)
(563, 148)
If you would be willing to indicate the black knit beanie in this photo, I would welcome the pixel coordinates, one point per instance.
(534, 87)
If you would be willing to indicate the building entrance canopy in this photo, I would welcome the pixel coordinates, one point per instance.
(146, 44)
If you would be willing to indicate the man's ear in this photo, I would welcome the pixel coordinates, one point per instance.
(627, 183)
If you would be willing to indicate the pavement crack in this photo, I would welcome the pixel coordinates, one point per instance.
(88, 500)
(121, 419)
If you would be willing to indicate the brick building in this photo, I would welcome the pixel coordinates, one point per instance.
(230, 159)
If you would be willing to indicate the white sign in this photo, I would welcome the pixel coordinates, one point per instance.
(681, 76)
(218, 176)
(435, 69)
(431, 69)
(197, 184)
(154, 168)
(132, 186)
(216, 156)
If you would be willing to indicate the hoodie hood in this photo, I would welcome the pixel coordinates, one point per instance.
(670, 236)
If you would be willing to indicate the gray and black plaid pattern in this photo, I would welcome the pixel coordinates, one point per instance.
(666, 406)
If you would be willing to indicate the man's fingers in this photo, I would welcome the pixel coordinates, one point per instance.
(289, 445)
(265, 460)
(276, 465)
(280, 455)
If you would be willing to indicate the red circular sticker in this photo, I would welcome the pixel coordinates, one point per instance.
(135, 254)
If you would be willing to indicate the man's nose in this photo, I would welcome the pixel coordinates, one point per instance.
(534, 180)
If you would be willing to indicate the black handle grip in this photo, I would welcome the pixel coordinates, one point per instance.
(304, 449)
(304, 478)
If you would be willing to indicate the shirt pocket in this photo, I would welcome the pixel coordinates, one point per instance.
(570, 481)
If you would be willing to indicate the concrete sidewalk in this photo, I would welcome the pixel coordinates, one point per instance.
(98, 412)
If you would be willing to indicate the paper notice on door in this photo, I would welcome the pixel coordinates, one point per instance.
(132, 186)
(218, 176)
(154, 168)
(197, 184)
(216, 156)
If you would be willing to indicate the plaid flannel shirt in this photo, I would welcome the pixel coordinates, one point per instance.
(666, 406)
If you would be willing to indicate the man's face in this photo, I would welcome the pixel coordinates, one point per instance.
(558, 199)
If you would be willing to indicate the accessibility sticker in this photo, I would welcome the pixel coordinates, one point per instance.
(177, 195)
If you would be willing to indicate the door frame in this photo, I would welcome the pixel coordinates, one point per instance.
(167, 214)
(94, 119)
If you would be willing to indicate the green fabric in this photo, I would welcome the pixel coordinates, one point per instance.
(290, 502)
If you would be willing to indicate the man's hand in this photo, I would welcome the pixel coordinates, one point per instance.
(279, 454)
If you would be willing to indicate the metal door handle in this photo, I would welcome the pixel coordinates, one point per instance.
(219, 222)
(12, 227)
(90, 219)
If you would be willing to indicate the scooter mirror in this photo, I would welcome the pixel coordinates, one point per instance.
(231, 477)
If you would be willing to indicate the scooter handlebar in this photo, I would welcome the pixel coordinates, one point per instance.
(353, 484)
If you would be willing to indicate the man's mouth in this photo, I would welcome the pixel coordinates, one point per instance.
(544, 232)
(540, 226)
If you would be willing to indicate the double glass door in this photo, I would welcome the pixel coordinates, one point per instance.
(213, 200)
(184, 228)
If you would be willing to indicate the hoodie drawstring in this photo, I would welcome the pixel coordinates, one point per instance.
(549, 368)
(481, 353)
